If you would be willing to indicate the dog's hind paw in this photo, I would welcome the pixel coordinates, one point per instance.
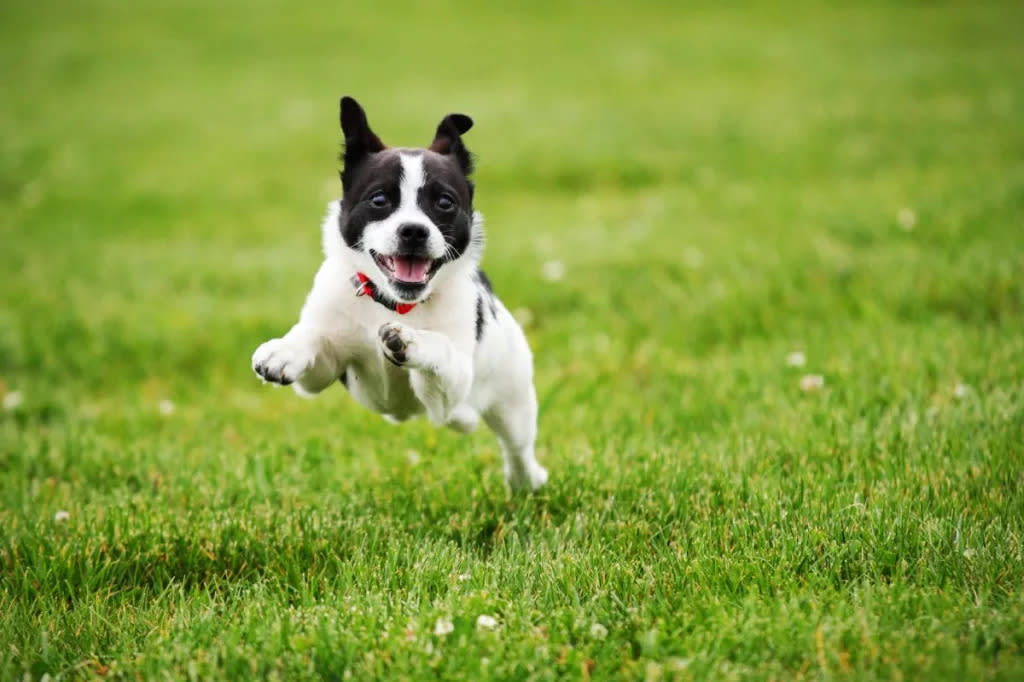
(531, 479)
(395, 340)
(281, 362)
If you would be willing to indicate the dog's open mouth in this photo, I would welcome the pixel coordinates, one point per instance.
(406, 270)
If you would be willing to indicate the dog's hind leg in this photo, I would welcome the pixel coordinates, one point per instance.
(464, 418)
(515, 425)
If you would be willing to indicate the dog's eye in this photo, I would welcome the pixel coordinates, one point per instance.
(445, 203)
(379, 200)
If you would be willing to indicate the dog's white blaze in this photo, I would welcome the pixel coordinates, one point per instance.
(413, 178)
(382, 236)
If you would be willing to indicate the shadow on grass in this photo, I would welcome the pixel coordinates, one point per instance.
(304, 550)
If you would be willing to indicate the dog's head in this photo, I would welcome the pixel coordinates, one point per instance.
(406, 213)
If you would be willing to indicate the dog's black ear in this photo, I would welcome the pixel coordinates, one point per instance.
(360, 141)
(448, 140)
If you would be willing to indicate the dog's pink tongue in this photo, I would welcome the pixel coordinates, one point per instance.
(411, 269)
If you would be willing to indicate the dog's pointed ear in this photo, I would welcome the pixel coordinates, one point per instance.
(360, 141)
(448, 140)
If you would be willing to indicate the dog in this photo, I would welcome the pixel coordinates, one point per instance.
(400, 312)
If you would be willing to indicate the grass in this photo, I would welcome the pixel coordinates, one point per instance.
(724, 185)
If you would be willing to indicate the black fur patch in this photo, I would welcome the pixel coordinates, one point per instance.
(442, 176)
(381, 171)
(485, 281)
(485, 284)
(479, 316)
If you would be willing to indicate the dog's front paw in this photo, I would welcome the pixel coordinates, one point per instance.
(395, 340)
(281, 361)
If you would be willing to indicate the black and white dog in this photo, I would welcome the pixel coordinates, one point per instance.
(400, 311)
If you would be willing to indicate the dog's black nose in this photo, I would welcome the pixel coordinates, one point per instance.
(413, 234)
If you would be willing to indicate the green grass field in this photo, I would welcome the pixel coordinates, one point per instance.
(724, 185)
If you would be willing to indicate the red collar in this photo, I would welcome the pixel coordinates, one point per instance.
(364, 286)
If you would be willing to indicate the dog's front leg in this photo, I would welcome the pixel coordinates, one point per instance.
(308, 356)
(302, 357)
(441, 374)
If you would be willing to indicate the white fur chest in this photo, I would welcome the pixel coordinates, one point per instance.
(374, 381)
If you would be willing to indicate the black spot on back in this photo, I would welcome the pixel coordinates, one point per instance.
(479, 316)
(488, 292)
(482, 277)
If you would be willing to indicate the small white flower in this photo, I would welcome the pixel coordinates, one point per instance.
(796, 359)
(598, 631)
(906, 218)
(463, 577)
(412, 457)
(960, 390)
(165, 407)
(61, 516)
(812, 382)
(443, 627)
(12, 400)
(524, 316)
(553, 270)
(676, 664)
(485, 622)
(968, 553)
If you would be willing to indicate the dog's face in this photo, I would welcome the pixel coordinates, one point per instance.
(406, 213)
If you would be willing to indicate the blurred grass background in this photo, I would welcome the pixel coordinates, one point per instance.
(724, 184)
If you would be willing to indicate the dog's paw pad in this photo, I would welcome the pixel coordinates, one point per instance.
(280, 362)
(395, 340)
